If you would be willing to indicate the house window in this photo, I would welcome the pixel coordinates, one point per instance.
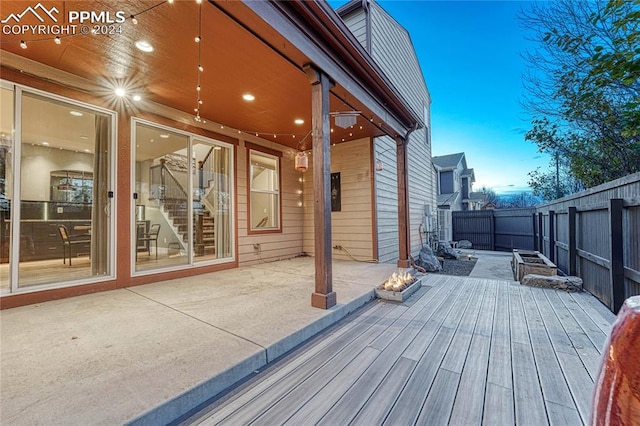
(264, 203)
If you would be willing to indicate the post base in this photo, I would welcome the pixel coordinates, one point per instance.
(403, 263)
(323, 301)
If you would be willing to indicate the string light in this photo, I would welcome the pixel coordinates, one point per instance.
(134, 20)
(57, 40)
(200, 68)
(23, 44)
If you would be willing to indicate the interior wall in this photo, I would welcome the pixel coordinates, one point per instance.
(352, 226)
(37, 164)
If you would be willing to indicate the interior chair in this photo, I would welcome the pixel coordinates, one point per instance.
(68, 242)
(147, 238)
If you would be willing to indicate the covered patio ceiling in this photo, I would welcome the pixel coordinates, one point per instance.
(239, 53)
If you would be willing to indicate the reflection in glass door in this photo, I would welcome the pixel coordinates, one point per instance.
(212, 201)
(65, 177)
(161, 232)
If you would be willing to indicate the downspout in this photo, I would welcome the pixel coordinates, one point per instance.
(367, 20)
(404, 175)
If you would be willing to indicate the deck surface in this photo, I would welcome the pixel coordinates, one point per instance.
(460, 351)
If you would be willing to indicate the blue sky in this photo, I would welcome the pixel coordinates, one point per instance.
(469, 52)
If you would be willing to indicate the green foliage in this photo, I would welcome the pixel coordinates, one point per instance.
(587, 102)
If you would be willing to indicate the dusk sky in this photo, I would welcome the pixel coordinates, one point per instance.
(469, 52)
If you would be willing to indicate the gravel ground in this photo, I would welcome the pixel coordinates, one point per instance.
(460, 267)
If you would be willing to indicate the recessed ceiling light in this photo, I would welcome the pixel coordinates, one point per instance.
(164, 136)
(120, 92)
(137, 98)
(298, 121)
(76, 113)
(248, 97)
(144, 46)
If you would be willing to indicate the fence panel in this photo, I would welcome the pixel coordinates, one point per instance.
(513, 229)
(475, 226)
(607, 237)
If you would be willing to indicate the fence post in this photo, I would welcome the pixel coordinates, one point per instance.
(540, 233)
(535, 238)
(552, 236)
(616, 258)
(492, 227)
(573, 249)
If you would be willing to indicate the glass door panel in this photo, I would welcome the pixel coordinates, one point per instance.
(161, 217)
(64, 180)
(212, 201)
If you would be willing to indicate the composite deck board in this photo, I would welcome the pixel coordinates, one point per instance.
(498, 406)
(467, 351)
(351, 402)
(459, 347)
(409, 402)
(337, 337)
(315, 405)
(324, 362)
(598, 312)
(590, 328)
(380, 403)
(469, 401)
(588, 353)
(554, 387)
(529, 403)
(499, 371)
(404, 330)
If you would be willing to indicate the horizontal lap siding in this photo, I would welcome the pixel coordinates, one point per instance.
(393, 51)
(357, 23)
(387, 200)
(352, 226)
(274, 246)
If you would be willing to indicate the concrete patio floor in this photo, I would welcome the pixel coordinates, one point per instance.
(150, 353)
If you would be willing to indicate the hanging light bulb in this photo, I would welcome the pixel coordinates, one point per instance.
(57, 40)
(23, 44)
(200, 68)
(134, 20)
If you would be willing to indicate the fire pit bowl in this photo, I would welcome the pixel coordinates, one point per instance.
(398, 287)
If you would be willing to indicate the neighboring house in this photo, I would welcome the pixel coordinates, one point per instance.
(153, 155)
(455, 183)
(455, 190)
(391, 47)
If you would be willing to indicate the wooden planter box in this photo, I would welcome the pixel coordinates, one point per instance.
(532, 262)
(398, 296)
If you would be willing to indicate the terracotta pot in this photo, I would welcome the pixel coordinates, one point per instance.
(616, 396)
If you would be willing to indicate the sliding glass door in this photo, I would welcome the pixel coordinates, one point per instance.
(183, 199)
(55, 183)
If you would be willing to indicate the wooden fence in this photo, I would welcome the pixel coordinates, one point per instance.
(502, 230)
(594, 234)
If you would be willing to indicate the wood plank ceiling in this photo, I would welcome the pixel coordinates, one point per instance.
(239, 53)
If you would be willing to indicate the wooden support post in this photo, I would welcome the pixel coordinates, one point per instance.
(541, 233)
(323, 297)
(573, 248)
(616, 258)
(552, 236)
(404, 241)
